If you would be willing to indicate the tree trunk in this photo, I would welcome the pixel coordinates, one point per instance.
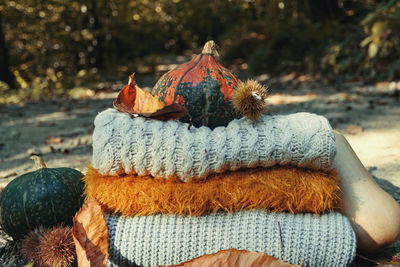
(5, 73)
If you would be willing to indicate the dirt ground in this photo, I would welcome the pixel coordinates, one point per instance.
(60, 131)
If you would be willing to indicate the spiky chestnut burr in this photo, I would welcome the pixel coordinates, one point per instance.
(57, 247)
(250, 99)
(30, 245)
(50, 247)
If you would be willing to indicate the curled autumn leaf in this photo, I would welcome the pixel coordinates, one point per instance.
(235, 258)
(135, 101)
(90, 235)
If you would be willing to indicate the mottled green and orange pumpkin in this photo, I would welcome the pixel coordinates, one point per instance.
(203, 86)
(45, 197)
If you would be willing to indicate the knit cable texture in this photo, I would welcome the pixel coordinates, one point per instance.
(172, 148)
(325, 240)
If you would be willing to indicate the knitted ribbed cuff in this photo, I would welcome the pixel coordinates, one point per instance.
(171, 148)
(325, 240)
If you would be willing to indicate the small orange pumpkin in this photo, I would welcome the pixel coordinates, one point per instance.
(203, 86)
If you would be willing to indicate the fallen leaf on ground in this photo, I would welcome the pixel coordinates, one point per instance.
(90, 235)
(306, 78)
(50, 140)
(31, 152)
(312, 94)
(236, 258)
(45, 124)
(52, 149)
(382, 84)
(348, 97)
(7, 174)
(88, 93)
(77, 142)
(381, 102)
(59, 150)
(133, 100)
(64, 109)
(288, 77)
(354, 129)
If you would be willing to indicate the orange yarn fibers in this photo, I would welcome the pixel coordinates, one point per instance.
(276, 189)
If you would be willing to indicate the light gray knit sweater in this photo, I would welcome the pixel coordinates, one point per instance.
(325, 240)
(163, 149)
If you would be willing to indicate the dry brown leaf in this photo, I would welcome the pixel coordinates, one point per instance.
(145, 102)
(52, 149)
(382, 84)
(381, 102)
(45, 123)
(133, 100)
(305, 78)
(50, 140)
(288, 77)
(87, 94)
(348, 97)
(90, 235)
(7, 174)
(32, 151)
(236, 258)
(172, 111)
(354, 129)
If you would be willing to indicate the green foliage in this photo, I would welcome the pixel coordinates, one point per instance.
(3, 87)
(373, 50)
(382, 28)
(50, 42)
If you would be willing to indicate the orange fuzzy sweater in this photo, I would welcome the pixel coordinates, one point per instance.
(276, 189)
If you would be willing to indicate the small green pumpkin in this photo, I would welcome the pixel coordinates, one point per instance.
(45, 197)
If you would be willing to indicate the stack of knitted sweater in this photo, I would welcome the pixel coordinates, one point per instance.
(172, 192)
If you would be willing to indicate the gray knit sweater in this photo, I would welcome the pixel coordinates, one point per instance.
(325, 240)
(163, 149)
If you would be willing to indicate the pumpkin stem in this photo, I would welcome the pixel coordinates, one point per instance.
(210, 48)
(39, 163)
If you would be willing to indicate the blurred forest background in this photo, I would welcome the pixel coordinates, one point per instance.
(48, 47)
